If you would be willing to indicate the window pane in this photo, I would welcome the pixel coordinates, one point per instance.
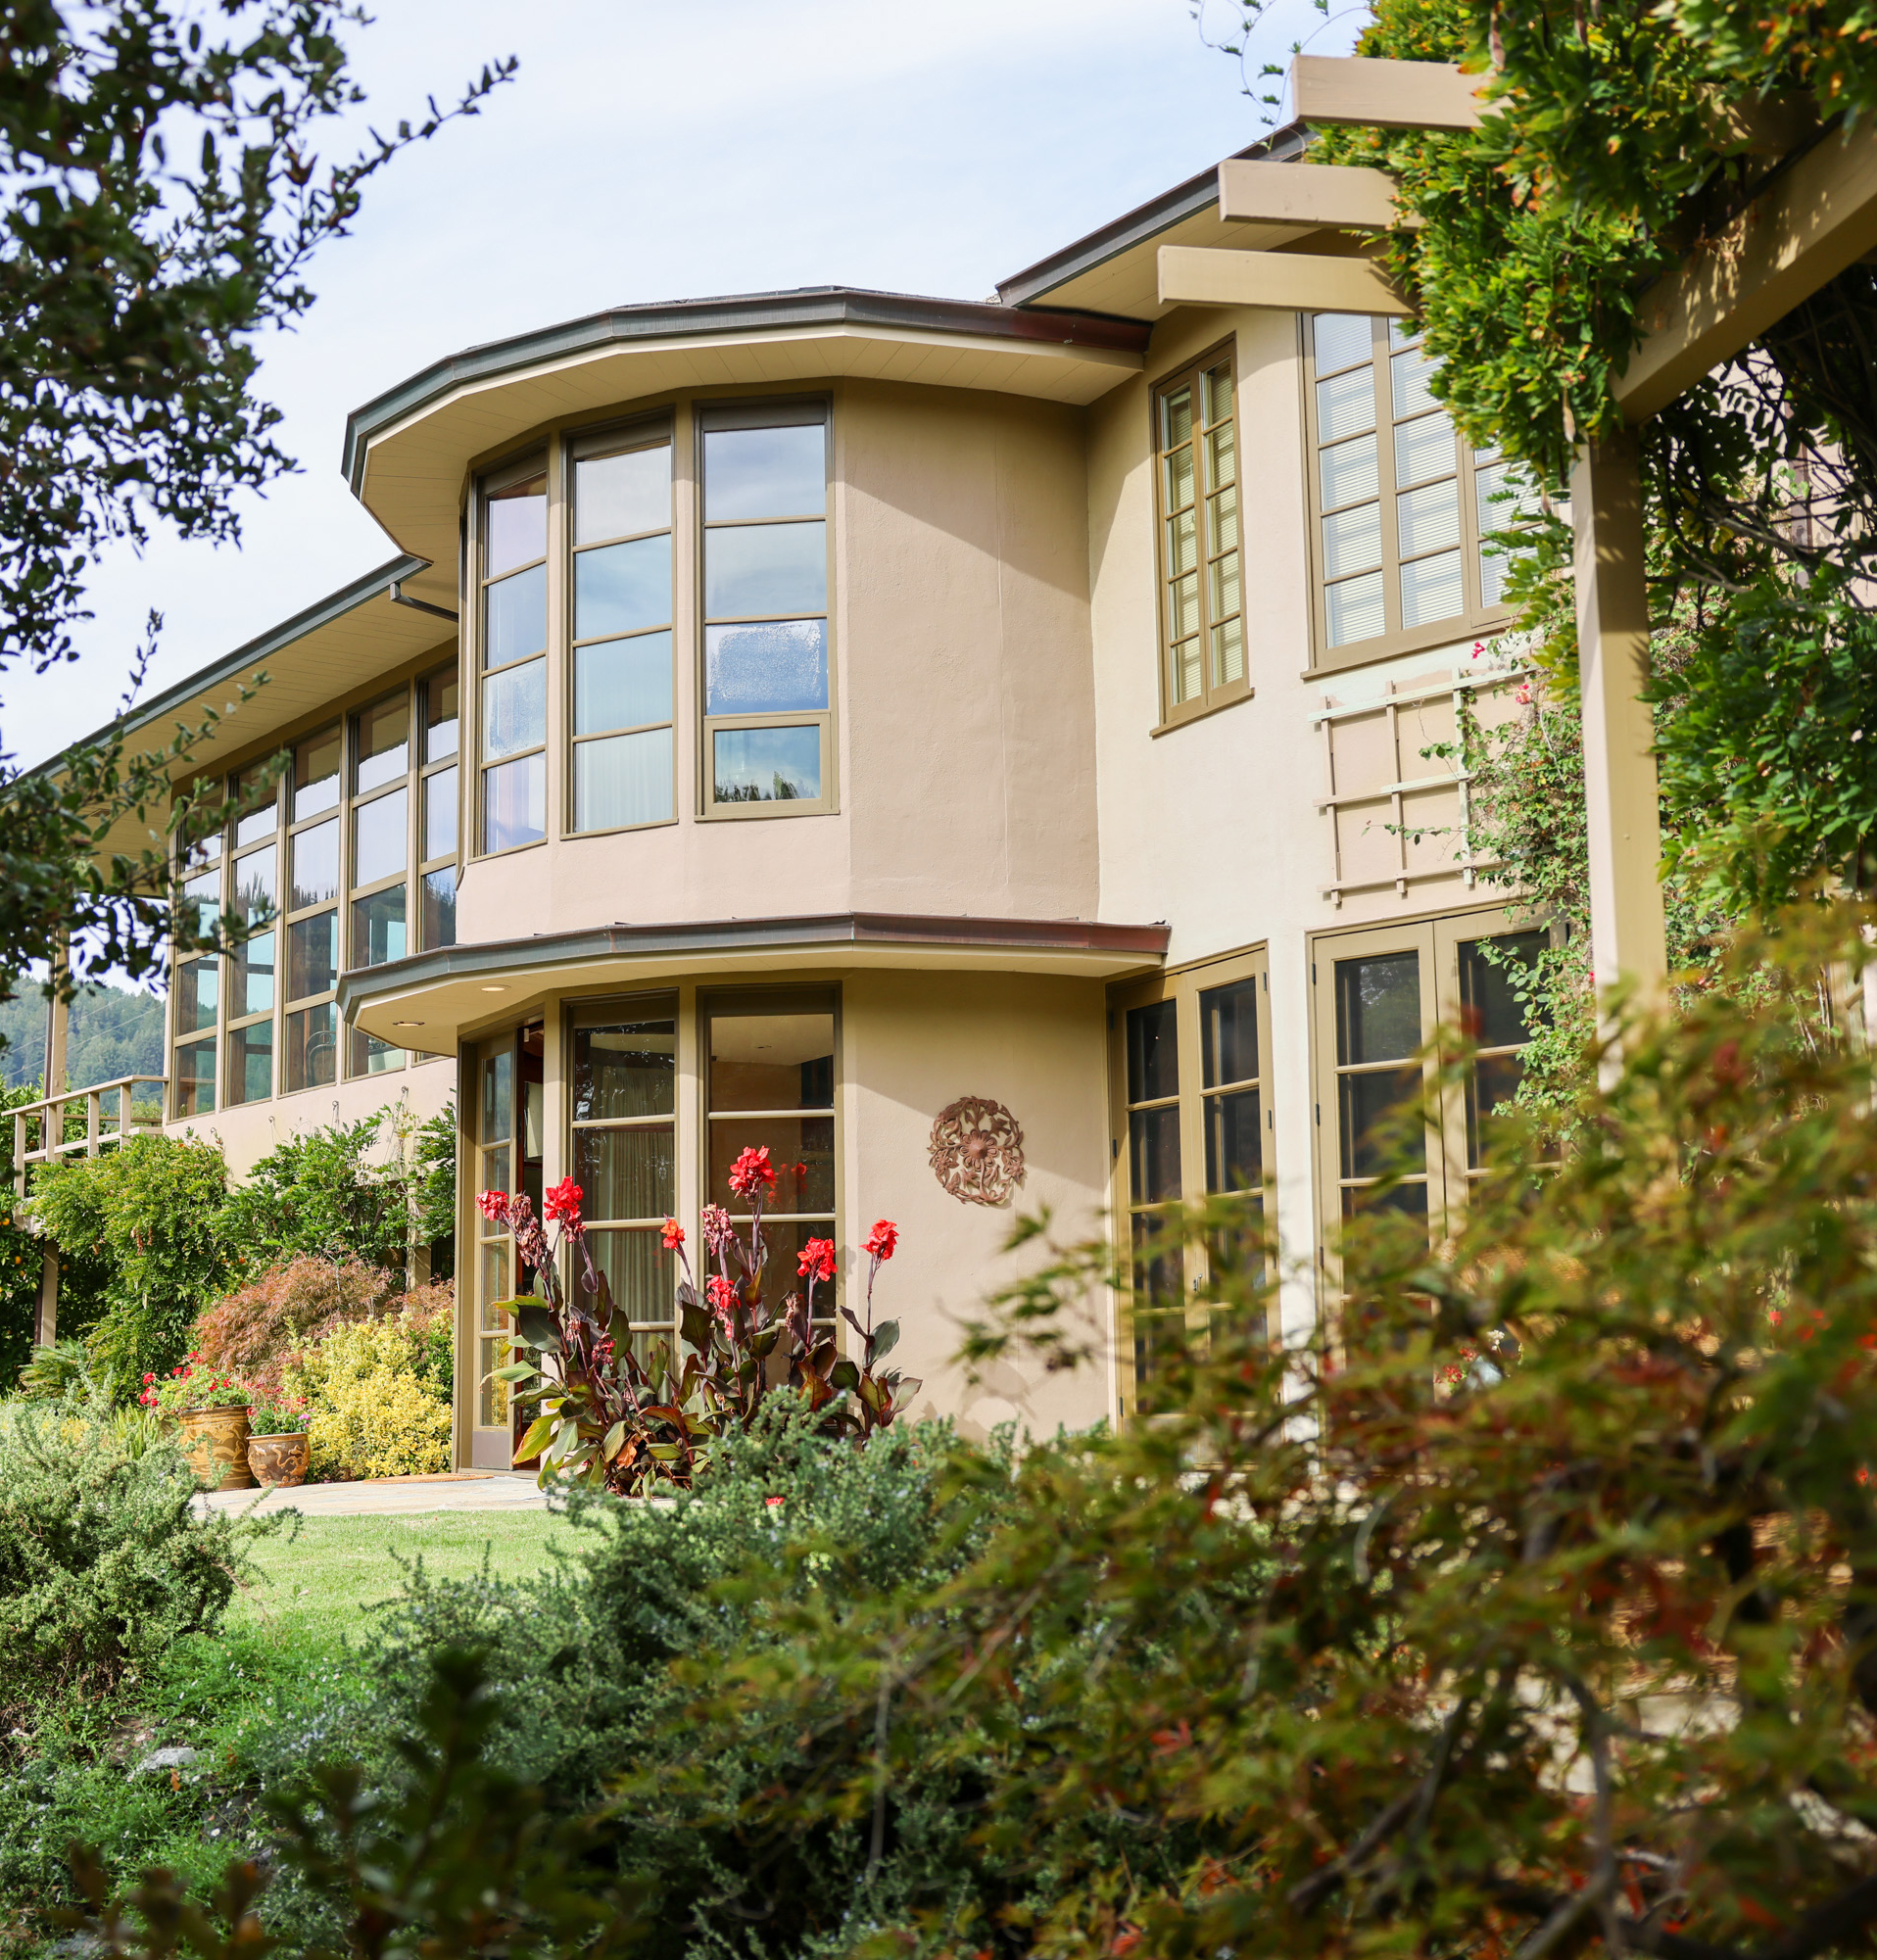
(1347, 404)
(382, 733)
(516, 618)
(1378, 1008)
(1430, 589)
(1183, 542)
(779, 668)
(379, 839)
(1506, 497)
(1180, 479)
(1222, 464)
(1229, 653)
(514, 709)
(440, 814)
(626, 1174)
(378, 928)
(618, 496)
(202, 898)
(1352, 539)
(1217, 382)
(252, 988)
(313, 955)
(765, 473)
(622, 587)
(1223, 583)
(621, 780)
(1411, 1200)
(801, 1149)
(1411, 372)
(1492, 974)
(1497, 563)
(1342, 338)
(1492, 1081)
(1364, 1100)
(1355, 609)
(257, 887)
(498, 1102)
(766, 765)
(250, 1062)
(1428, 518)
(198, 989)
(372, 1057)
(313, 1048)
(440, 711)
(1424, 447)
(515, 803)
(1234, 1142)
(772, 1061)
(315, 865)
(1153, 1154)
(1153, 1051)
(440, 907)
(262, 801)
(316, 774)
(626, 1069)
(1222, 522)
(1228, 1034)
(1186, 679)
(622, 684)
(517, 525)
(1182, 607)
(641, 1276)
(196, 1078)
(1349, 471)
(765, 568)
(1176, 419)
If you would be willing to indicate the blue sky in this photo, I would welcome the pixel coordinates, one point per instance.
(672, 149)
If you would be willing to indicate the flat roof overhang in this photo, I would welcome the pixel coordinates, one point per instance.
(407, 453)
(333, 648)
(430, 1001)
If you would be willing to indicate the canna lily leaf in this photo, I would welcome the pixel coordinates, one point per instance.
(885, 1337)
(538, 1327)
(845, 1375)
(531, 1444)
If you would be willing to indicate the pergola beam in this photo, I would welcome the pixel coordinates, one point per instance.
(1289, 281)
(1816, 218)
(1338, 196)
(1334, 91)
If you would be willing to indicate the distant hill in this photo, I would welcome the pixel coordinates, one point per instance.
(114, 1031)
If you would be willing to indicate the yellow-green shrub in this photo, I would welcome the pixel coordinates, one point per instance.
(377, 1399)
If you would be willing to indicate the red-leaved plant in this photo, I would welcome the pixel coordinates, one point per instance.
(627, 1420)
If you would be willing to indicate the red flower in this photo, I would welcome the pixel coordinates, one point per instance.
(494, 1205)
(562, 1203)
(723, 1296)
(751, 1175)
(772, 1503)
(674, 1235)
(148, 1379)
(817, 1260)
(882, 1240)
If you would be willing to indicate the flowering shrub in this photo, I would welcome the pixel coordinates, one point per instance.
(374, 1407)
(254, 1329)
(605, 1414)
(286, 1417)
(194, 1385)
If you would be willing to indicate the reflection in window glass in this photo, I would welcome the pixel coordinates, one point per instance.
(313, 1048)
(515, 803)
(516, 621)
(313, 955)
(440, 716)
(202, 895)
(765, 473)
(315, 865)
(778, 667)
(195, 1089)
(256, 887)
(198, 994)
(517, 525)
(256, 793)
(316, 774)
(440, 814)
(440, 907)
(765, 568)
(379, 839)
(372, 1057)
(622, 780)
(626, 1069)
(766, 765)
(383, 736)
(514, 709)
(250, 1062)
(251, 991)
(622, 587)
(622, 684)
(378, 928)
(622, 496)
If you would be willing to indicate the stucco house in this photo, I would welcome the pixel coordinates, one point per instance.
(791, 716)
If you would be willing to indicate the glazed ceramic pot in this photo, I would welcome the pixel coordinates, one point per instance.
(216, 1442)
(280, 1459)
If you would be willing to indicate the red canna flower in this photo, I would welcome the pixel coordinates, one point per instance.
(723, 1296)
(494, 1205)
(884, 1240)
(562, 1203)
(674, 1235)
(817, 1260)
(753, 1175)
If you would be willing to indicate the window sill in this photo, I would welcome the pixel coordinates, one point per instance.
(617, 831)
(749, 812)
(1202, 714)
(514, 850)
(1372, 653)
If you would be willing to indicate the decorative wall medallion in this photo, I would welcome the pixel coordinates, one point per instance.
(976, 1151)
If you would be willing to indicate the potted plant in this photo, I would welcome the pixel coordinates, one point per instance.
(210, 1408)
(278, 1451)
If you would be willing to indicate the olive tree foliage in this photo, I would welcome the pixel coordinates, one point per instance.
(162, 193)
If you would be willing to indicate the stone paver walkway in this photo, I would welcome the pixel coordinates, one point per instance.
(457, 1490)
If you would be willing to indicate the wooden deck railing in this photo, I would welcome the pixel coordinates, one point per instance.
(53, 1144)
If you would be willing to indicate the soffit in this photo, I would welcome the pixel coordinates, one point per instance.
(432, 1001)
(407, 453)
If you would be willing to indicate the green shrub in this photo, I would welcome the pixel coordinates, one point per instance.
(377, 1393)
(103, 1559)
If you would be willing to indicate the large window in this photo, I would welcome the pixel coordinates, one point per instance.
(320, 867)
(1380, 995)
(622, 619)
(1202, 617)
(1192, 1126)
(767, 722)
(1403, 512)
(512, 679)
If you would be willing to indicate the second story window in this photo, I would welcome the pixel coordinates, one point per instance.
(1201, 581)
(767, 721)
(380, 854)
(512, 682)
(436, 819)
(1402, 511)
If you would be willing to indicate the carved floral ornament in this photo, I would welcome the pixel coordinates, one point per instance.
(976, 1151)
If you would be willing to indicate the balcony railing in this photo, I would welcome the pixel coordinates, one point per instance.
(98, 1129)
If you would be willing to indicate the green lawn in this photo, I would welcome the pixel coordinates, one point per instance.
(318, 1581)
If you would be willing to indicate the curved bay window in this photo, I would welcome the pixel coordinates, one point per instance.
(439, 789)
(251, 968)
(512, 679)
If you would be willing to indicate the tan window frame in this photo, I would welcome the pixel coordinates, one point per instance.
(487, 675)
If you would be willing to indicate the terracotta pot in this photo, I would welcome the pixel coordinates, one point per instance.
(216, 1442)
(280, 1459)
